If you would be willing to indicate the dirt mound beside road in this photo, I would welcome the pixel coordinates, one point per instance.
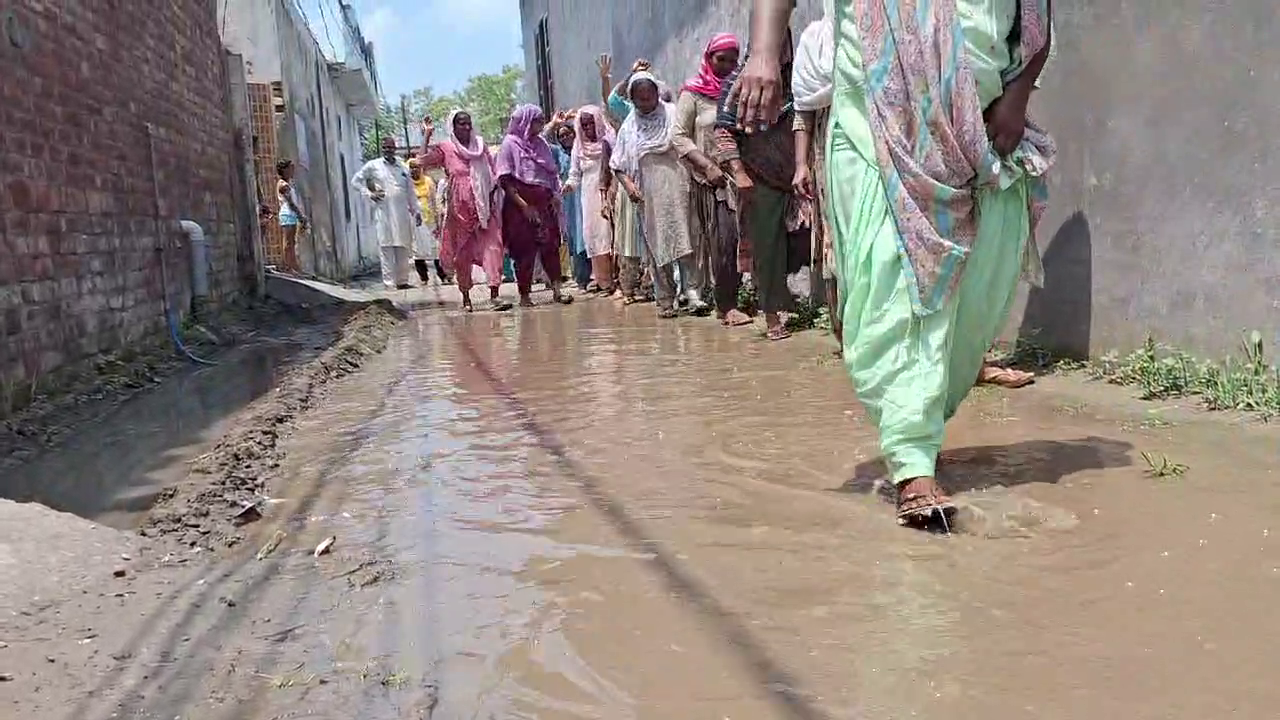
(46, 554)
(235, 474)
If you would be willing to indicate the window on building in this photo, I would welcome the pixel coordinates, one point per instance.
(346, 186)
(542, 54)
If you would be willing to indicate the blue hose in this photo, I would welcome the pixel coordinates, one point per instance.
(177, 340)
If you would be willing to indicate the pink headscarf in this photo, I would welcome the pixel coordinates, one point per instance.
(604, 133)
(706, 83)
(526, 156)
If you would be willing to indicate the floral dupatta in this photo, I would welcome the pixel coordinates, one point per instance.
(931, 139)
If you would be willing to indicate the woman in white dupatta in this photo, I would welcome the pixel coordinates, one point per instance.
(649, 170)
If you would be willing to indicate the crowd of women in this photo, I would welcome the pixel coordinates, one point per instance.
(919, 183)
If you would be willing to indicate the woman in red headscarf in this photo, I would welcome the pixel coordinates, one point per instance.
(713, 225)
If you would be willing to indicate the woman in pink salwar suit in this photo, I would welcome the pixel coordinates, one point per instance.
(471, 230)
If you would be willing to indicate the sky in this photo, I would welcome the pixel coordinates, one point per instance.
(436, 43)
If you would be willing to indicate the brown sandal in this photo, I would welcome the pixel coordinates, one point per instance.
(735, 318)
(1007, 378)
(918, 508)
(778, 333)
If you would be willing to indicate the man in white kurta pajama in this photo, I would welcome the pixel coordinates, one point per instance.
(386, 182)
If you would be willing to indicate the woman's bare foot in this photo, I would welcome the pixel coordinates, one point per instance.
(1007, 378)
(920, 500)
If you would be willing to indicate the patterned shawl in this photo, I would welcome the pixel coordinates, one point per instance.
(931, 140)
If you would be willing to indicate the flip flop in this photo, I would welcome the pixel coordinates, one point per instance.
(564, 299)
(667, 313)
(778, 333)
(739, 319)
(499, 305)
(1007, 378)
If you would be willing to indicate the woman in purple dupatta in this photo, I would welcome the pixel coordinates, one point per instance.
(531, 222)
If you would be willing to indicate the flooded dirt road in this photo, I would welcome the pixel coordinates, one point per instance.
(559, 514)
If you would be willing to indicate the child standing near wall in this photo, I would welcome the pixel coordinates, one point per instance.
(291, 216)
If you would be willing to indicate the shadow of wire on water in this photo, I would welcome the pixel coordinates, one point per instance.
(781, 687)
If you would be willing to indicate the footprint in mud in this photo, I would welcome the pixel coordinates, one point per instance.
(999, 513)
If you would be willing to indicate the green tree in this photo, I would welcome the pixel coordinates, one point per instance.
(489, 97)
(386, 123)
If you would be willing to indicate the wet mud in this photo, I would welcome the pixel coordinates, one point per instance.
(585, 512)
(115, 471)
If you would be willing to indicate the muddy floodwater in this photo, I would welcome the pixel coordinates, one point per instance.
(590, 513)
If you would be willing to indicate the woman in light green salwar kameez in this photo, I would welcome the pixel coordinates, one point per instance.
(911, 363)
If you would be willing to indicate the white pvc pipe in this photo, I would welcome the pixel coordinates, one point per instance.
(199, 258)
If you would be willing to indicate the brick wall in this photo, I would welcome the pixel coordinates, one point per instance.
(79, 268)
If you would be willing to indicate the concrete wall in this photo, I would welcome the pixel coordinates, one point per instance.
(249, 30)
(1163, 217)
(669, 34)
(318, 130)
(1163, 220)
(80, 270)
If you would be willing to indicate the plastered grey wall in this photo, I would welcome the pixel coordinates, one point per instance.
(1163, 217)
(670, 34)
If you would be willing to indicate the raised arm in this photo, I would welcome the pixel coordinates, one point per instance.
(605, 65)
(430, 156)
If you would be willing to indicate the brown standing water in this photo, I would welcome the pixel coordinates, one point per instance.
(589, 513)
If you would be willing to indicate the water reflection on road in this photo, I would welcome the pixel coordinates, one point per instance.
(581, 516)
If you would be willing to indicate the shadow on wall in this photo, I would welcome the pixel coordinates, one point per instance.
(1060, 315)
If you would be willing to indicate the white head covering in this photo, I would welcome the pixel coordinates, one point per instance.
(811, 75)
(642, 134)
(476, 153)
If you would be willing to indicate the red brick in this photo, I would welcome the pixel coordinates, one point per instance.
(77, 198)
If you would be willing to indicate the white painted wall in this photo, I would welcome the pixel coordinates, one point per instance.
(319, 131)
(249, 29)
